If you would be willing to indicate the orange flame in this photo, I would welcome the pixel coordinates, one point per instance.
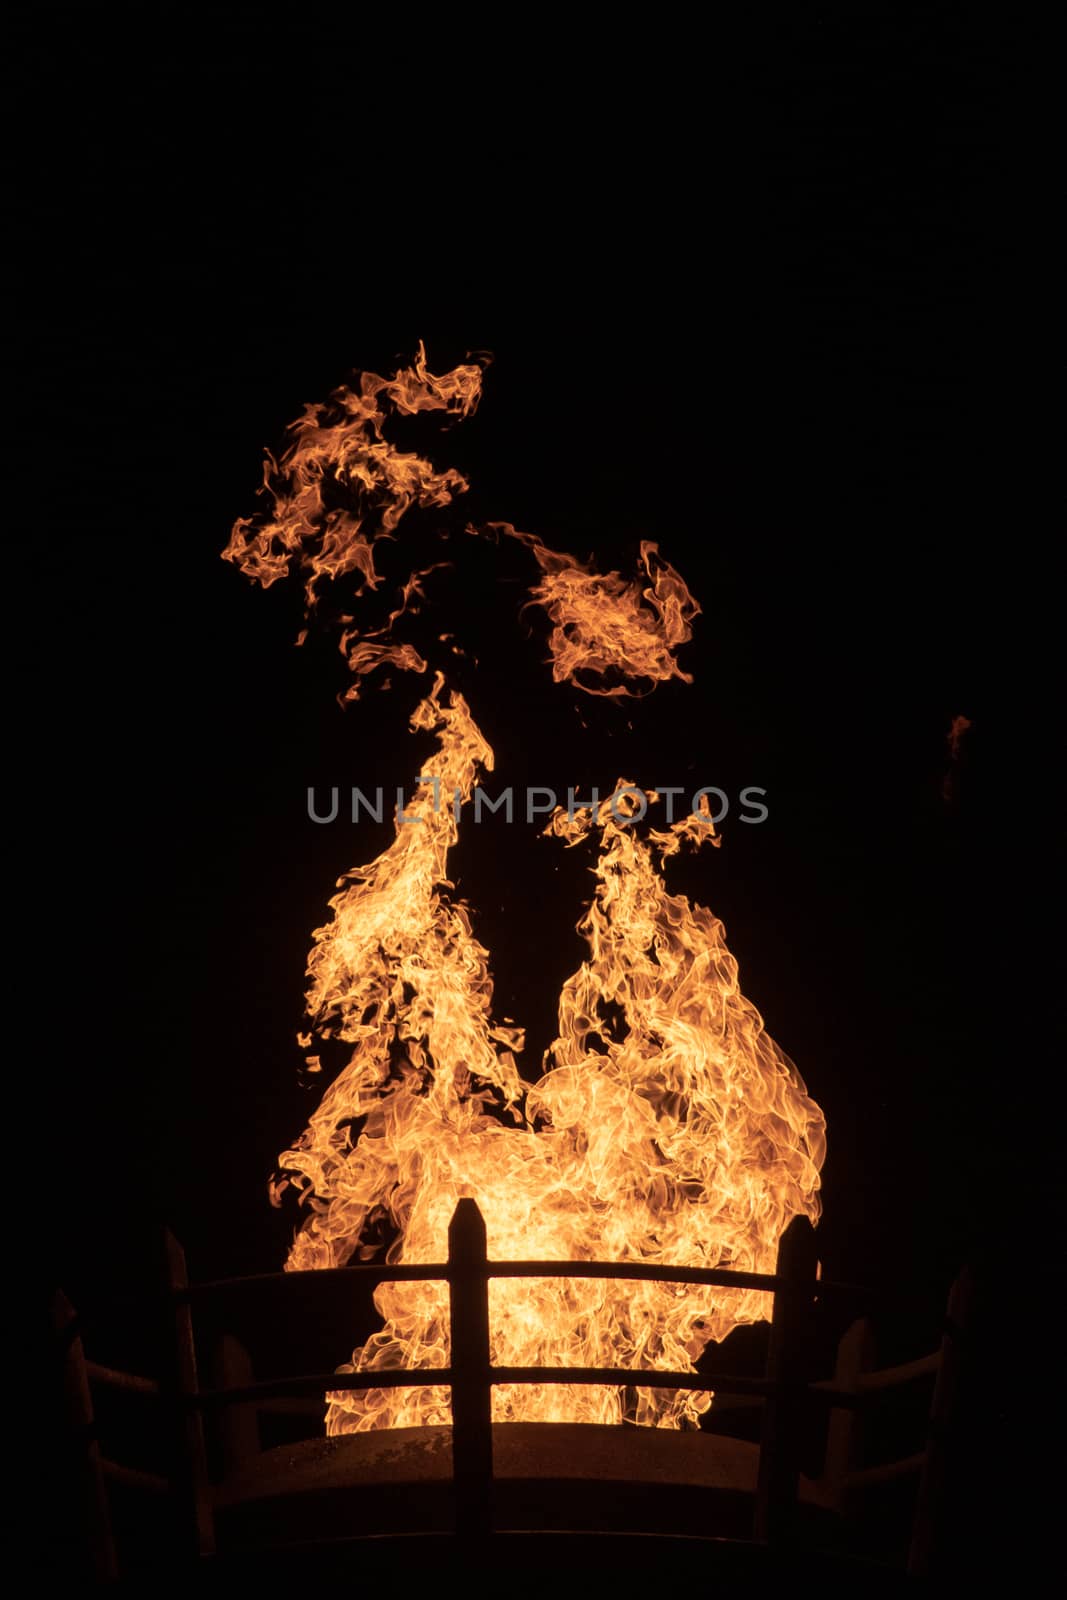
(606, 632)
(667, 1127)
(341, 486)
(365, 652)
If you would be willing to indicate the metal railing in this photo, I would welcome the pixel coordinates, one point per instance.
(471, 1375)
(785, 1389)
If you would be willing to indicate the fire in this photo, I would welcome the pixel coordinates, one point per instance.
(376, 648)
(666, 1127)
(340, 487)
(607, 632)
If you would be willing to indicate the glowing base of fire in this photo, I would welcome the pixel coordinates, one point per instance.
(528, 1202)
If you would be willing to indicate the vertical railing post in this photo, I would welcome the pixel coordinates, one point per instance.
(91, 1488)
(472, 1430)
(189, 1430)
(855, 1356)
(946, 1384)
(783, 1413)
(231, 1368)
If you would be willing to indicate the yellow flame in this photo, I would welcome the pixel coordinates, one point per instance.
(667, 1127)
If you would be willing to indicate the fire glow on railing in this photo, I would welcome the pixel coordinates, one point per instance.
(665, 1126)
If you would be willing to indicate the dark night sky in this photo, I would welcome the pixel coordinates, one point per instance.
(755, 315)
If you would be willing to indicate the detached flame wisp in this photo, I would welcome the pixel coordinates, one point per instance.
(609, 633)
(341, 486)
(667, 1127)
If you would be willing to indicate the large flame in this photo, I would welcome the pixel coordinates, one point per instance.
(666, 1128)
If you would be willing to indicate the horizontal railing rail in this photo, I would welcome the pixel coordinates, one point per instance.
(111, 1378)
(426, 1377)
(825, 1395)
(374, 1274)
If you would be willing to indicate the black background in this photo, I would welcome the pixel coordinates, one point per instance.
(746, 296)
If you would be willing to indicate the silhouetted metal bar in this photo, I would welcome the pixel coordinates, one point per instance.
(134, 1477)
(888, 1472)
(92, 1491)
(472, 1430)
(779, 1465)
(931, 1483)
(112, 1379)
(319, 1383)
(409, 1272)
(636, 1272)
(189, 1425)
(231, 1368)
(633, 1378)
(894, 1377)
(372, 1276)
(322, 1383)
(440, 1272)
(864, 1387)
(855, 1355)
